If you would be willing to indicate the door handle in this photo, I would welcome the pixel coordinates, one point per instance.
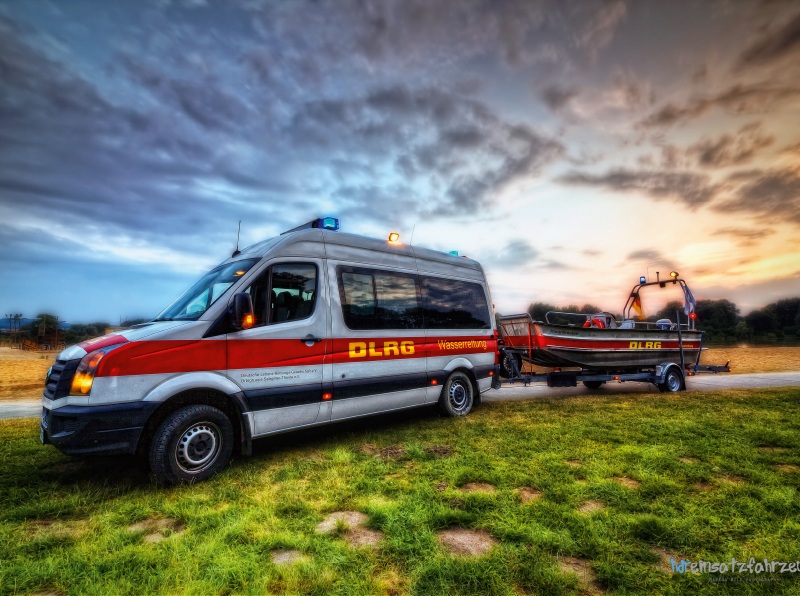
(310, 338)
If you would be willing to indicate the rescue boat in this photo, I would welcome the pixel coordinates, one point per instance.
(599, 341)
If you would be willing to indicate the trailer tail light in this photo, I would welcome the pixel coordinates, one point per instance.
(434, 382)
(326, 396)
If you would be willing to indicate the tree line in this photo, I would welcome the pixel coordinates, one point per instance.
(76, 332)
(720, 319)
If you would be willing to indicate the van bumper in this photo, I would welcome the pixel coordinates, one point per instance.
(109, 429)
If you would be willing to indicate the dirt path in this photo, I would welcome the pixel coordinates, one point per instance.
(22, 373)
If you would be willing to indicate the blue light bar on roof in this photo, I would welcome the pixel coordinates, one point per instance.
(642, 280)
(328, 223)
(453, 252)
(323, 223)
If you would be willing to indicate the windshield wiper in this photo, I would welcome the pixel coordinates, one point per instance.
(162, 319)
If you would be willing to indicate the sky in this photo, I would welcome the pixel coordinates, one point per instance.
(569, 147)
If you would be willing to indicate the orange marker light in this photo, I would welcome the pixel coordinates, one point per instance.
(238, 273)
(616, 378)
(326, 396)
(394, 237)
(248, 322)
(491, 373)
(434, 382)
(692, 316)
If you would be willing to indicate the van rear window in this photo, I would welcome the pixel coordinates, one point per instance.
(454, 304)
(373, 299)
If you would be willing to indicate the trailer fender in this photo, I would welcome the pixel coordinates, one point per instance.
(664, 368)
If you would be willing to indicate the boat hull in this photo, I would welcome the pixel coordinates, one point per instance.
(591, 348)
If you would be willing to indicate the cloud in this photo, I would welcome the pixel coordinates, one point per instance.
(516, 253)
(557, 98)
(773, 45)
(738, 99)
(770, 195)
(599, 32)
(645, 255)
(730, 149)
(745, 236)
(689, 188)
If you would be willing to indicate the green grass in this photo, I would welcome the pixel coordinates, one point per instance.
(276, 498)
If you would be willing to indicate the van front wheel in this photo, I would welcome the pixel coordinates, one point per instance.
(192, 444)
(457, 395)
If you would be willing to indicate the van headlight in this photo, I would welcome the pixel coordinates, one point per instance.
(84, 374)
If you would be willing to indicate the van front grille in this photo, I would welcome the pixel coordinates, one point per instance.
(59, 381)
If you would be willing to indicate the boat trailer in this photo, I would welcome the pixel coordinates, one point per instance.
(667, 376)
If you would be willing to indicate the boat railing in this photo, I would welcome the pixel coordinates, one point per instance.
(627, 324)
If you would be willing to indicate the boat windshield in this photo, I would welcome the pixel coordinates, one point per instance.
(197, 299)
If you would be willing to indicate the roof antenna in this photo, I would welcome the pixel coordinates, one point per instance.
(237, 251)
(412, 234)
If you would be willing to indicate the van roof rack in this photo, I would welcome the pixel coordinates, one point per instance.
(324, 223)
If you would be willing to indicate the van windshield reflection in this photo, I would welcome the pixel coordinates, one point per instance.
(205, 292)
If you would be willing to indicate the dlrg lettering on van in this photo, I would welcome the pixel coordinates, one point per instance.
(311, 327)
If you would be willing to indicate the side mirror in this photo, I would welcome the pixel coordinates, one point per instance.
(241, 311)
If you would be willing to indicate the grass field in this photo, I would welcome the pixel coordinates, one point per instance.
(571, 496)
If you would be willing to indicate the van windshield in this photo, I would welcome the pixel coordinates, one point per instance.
(205, 292)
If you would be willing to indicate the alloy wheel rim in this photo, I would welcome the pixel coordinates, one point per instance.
(198, 447)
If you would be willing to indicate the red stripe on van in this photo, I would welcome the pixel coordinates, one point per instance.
(370, 349)
(90, 345)
(165, 356)
(263, 353)
(158, 357)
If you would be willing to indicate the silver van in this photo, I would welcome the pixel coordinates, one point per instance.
(307, 328)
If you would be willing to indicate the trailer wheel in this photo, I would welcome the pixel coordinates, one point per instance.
(506, 359)
(457, 395)
(192, 444)
(672, 381)
(593, 384)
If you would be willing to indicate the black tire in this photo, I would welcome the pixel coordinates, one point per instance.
(458, 395)
(593, 384)
(191, 445)
(673, 381)
(505, 363)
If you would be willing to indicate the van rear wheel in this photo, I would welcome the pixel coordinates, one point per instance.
(192, 444)
(458, 395)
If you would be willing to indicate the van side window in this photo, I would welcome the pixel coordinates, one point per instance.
(374, 299)
(290, 296)
(454, 304)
